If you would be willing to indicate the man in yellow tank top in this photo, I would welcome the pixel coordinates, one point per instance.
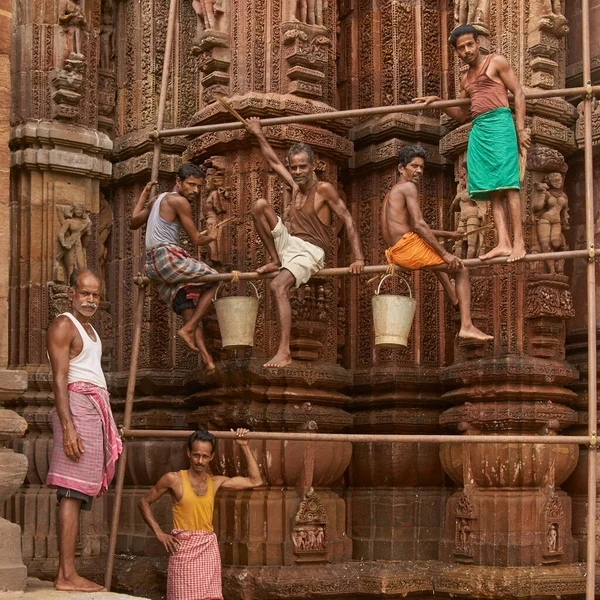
(194, 563)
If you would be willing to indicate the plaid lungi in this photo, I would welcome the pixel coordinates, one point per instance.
(93, 420)
(195, 569)
(171, 268)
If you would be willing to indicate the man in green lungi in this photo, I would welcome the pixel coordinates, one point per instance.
(494, 145)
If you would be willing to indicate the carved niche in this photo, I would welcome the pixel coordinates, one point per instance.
(464, 514)
(68, 79)
(211, 46)
(73, 238)
(107, 89)
(548, 299)
(307, 54)
(216, 206)
(471, 216)
(309, 533)
(554, 519)
(547, 27)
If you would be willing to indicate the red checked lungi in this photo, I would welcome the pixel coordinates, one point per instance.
(94, 422)
(195, 569)
(171, 268)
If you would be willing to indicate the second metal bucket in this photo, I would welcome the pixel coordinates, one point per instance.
(392, 316)
(237, 319)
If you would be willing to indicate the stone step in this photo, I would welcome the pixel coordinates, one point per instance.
(37, 589)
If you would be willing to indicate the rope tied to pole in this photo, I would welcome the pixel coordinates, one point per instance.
(235, 276)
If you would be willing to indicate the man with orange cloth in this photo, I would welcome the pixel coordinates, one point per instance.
(413, 245)
(195, 564)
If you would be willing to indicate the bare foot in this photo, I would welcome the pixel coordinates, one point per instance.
(518, 253)
(209, 365)
(188, 338)
(495, 252)
(279, 360)
(76, 583)
(268, 268)
(473, 333)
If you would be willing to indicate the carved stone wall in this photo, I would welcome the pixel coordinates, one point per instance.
(333, 519)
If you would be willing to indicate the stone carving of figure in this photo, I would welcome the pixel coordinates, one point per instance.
(72, 19)
(471, 216)
(307, 11)
(107, 45)
(215, 205)
(552, 538)
(547, 15)
(210, 14)
(105, 223)
(475, 12)
(551, 209)
(463, 531)
(73, 237)
(321, 539)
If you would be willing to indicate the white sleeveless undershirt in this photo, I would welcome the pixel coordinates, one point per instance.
(158, 231)
(87, 365)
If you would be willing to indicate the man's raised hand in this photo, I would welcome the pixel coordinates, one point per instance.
(254, 126)
(241, 432)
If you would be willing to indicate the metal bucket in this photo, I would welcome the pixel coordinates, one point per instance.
(237, 319)
(392, 316)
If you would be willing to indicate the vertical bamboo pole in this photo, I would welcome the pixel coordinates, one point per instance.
(591, 304)
(122, 464)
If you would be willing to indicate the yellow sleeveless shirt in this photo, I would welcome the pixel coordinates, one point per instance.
(193, 512)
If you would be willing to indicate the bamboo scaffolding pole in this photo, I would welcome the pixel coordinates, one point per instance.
(359, 112)
(590, 592)
(368, 437)
(137, 329)
(370, 269)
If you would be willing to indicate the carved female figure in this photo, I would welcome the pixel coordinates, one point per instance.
(551, 208)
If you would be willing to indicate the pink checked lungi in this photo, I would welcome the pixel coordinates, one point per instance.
(171, 268)
(94, 422)
(195, 569)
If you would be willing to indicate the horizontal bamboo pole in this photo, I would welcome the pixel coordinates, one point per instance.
(370, 269)
(362, 112)
(369, 437)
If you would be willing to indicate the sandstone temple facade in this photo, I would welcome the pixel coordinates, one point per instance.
(80, 85)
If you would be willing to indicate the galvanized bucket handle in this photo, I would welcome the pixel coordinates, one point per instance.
(393, 275)
(225, 282)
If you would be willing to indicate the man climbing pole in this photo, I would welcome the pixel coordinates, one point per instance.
(194, 562)
(171, 268)
(413, 245)
(299, 253)
(494, 145)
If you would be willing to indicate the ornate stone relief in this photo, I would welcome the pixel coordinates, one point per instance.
(105, 223)
(306, 51)
(471, 216)
(216, 204)
(211, 46)
(554, 516)
(73, 238)
(106, 70)
(68, 79)
(309, 533)
(547, 27)
(465, 516)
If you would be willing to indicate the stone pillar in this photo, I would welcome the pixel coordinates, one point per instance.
(518, 385)
(12, 383)
(60, 221)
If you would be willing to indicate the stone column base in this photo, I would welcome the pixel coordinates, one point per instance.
(13, 572)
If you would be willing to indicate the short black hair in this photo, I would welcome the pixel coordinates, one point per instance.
(76, 274)
(190, 170)
(463, 30)
(301, 147)
(407, 153)
(202, 436)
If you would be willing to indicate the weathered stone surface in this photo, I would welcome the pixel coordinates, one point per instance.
(12, 570)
